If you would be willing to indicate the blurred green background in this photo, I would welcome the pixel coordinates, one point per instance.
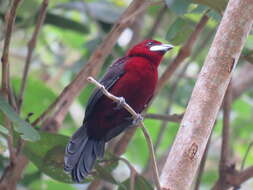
(72, 31)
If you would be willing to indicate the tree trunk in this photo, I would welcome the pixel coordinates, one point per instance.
(188, 148)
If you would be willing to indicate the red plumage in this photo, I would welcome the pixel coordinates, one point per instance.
(133, 77)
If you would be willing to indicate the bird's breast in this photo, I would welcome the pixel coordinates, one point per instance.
(137, 86)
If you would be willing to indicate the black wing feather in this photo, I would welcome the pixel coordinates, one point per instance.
(115, 71)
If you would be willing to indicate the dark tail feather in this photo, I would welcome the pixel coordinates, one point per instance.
(81, 154)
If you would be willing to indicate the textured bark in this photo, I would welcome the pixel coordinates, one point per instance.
(196, 126)
(13, 175)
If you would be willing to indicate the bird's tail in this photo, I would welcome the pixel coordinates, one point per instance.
(81, 153)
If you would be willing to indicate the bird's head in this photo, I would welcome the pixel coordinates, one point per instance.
(151, 49)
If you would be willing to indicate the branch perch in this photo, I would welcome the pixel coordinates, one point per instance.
(135, 116)
(31, 47)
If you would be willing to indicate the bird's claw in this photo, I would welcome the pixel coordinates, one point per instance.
(137, 120)
(120, 104)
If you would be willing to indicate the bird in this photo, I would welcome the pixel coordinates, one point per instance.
(133, 78)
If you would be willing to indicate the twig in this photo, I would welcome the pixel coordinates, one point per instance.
(10, 20)
(243, 176)
(225, 132)
(235, 178)
(165, 117)
(92, 67)
(132, 170)
(31, 47)
(11, 148)
(225, 149)
(202, 165)
(224, 152)
(164, 124)
(122, 144)
(94, 185)
(246, 155)
(135, 116)
(155, 2)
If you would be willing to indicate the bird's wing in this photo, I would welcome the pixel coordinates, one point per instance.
(115, 71)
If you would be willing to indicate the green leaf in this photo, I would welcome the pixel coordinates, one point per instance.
(179, 31)
(4, 130)
(49, 184)
(65, 23)
(111, 161)
(47, 154)
(140, 184)
(103, 173)
(30, 178)
(21, 126)
(178, 6)
(218, 5)
(37, 96)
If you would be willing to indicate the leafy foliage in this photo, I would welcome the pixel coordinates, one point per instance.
(47, 154)
(21, 126)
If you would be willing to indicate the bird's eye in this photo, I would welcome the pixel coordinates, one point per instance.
(150, 43)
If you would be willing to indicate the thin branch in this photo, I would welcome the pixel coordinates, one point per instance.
(122, 144)
(92, 67)
(246, 155)
(135, 116)
(132, 171)
(235, 178)
(10, 20)
(176, 118)
(31, 47)
(224, 167)
(10, 143)
(164, 124)
(225, 135)
(202, 165)
(243, 176)
(94, 185)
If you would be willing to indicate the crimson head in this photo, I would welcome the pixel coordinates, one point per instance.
(152, 49)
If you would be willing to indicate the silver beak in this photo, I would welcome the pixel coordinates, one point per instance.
(161, 47)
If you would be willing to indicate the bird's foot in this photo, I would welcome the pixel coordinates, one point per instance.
(137, 120)
(120, 104)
